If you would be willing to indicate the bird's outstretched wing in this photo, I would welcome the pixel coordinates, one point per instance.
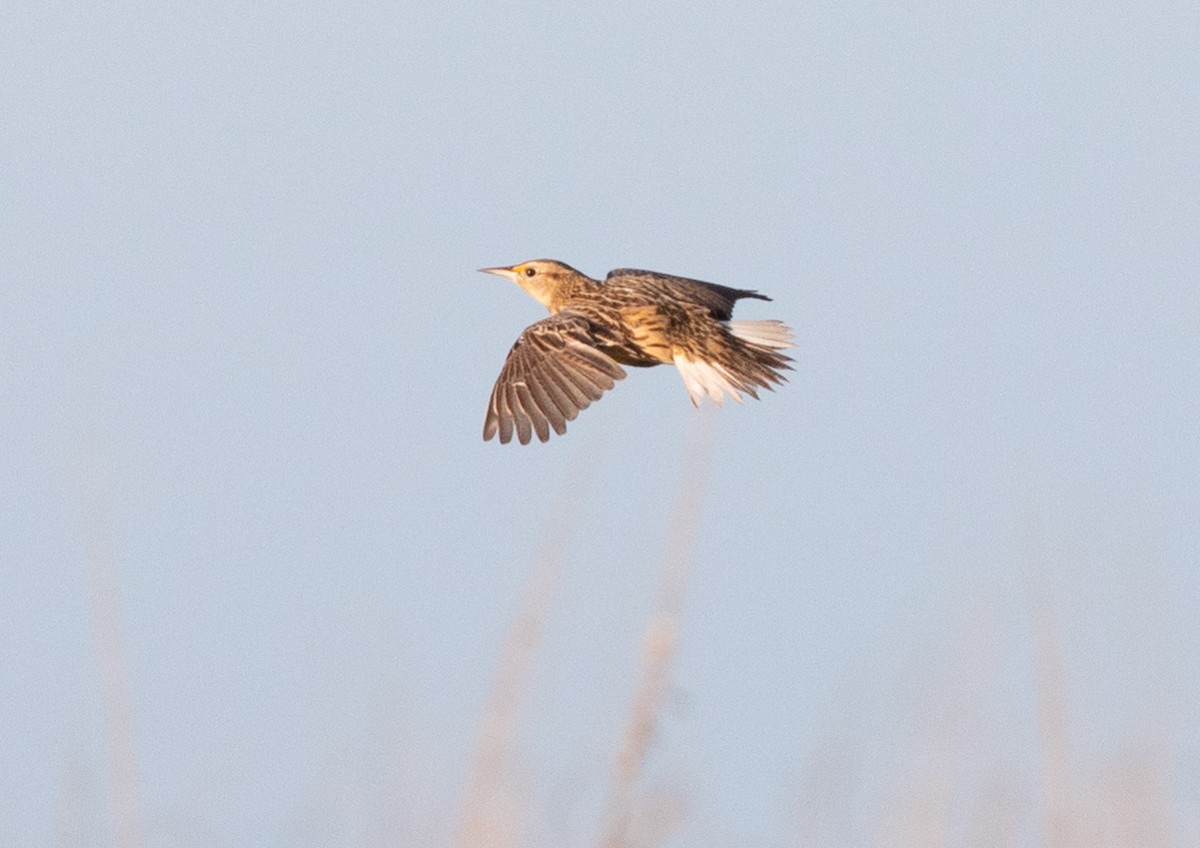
(552, 372)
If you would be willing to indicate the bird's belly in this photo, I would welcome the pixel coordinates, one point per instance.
(647, 336)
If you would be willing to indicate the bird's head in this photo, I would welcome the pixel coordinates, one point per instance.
(542, 278)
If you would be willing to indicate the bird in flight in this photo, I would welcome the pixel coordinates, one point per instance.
(561, 364)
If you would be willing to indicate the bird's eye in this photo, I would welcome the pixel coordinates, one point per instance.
(529, 272)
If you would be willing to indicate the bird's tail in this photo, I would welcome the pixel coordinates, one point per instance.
(770, 333)
(748, 359)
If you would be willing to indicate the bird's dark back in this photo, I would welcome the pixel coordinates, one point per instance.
(719, 300)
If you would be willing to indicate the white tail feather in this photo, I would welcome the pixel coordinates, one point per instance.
(704, 378)
(766, 333)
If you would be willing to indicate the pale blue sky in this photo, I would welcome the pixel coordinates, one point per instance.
(237, 253)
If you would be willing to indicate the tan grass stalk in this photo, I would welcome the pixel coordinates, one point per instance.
(949, 701)
(110, 651)
(490, 812)
(1050, 690)
(662, 635)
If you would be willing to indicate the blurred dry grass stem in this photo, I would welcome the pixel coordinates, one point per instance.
(661, 639)
(1050, 687)
(926, 807)
(1122, 804)
(974, 769)
(491, 813)
(110, 651)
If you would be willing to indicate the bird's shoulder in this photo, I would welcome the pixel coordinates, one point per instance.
(580, 325)
(564, 324)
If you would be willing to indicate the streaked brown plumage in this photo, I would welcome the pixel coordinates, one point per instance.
(561, 364)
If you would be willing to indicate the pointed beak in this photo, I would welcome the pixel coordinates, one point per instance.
(507, 273)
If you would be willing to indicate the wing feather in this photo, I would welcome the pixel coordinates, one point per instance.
(560, 392)
(540, 395)
(552, 373)
(563, 389)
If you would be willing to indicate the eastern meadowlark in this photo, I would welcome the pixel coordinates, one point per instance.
(561, 364)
